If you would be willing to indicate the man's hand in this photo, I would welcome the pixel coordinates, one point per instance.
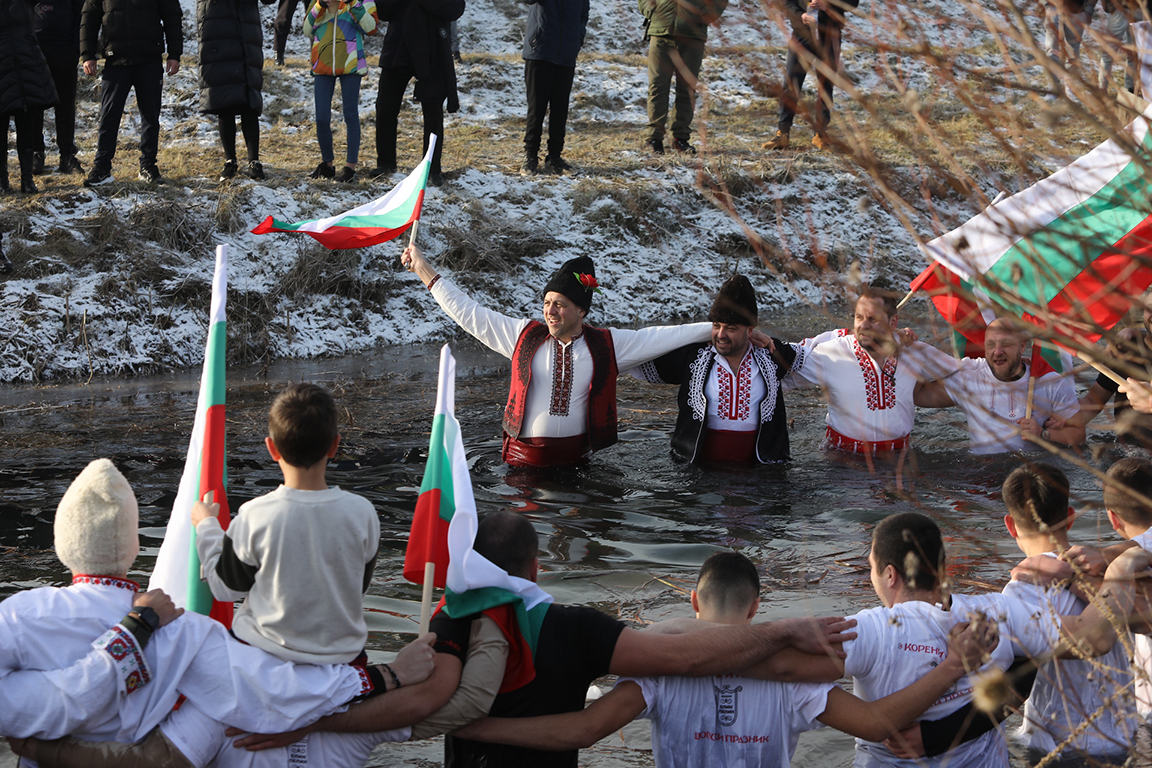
(415, 661)
(762, 340)
(821, 637)
(255, 742)
(173, 66)
(908, 744)
(202, 511)
(907, 337)
(970, 643)
(1139, 395)
(1041, 571)
(808, 18)
(158, 601)
(817, 5)
(414, 261)
(23, 747)
(90, 68)
(1089, 560)
(1030, 427)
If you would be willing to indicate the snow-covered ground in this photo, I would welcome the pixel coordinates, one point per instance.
(115, 280)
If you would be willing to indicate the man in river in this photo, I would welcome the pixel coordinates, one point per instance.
(731, 404)
(1000, 401)
(868, 378)
(562, 400)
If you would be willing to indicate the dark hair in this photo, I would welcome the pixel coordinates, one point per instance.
(890, 299)
(303, 424)
(1035, 494)
(1131, 474)
(728, 582)
(910, 543)
(509, 541)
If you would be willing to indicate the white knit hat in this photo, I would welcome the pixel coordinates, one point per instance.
(96, 522)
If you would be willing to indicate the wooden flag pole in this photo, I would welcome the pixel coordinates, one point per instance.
(415, 229)
(1103, 368)
(904, 300)
(426, 600)
(1031, 395)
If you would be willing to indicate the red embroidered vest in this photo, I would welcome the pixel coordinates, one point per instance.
(601, 397)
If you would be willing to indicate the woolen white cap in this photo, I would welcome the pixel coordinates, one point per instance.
(96, 522)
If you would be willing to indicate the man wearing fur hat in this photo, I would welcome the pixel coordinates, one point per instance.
(731, 404)
(192, 656)
(562, 401)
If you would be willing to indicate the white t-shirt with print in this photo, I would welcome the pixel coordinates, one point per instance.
(728, 720)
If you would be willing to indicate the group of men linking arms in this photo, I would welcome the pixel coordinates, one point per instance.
(562, 400)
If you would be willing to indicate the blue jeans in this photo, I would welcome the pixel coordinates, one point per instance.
(323, 87)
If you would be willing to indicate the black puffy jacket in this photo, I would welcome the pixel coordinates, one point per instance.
(418, 37)
(131, 31)
(231, 55)
(25, 84)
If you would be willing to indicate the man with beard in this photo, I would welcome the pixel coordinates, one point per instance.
(867, 377)
(731, 405)
(993, 393)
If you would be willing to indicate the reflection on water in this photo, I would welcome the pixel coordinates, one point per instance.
(626, 533)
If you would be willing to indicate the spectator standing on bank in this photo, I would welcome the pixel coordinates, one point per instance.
(816, 33)
(132, 35)
(417, 45)
(232, 77)
(282, 27)
(58, 34)
(337, 30)
(1117, 40)
(677, 30)
(552, 41)
(25, 86)
(1065, 22)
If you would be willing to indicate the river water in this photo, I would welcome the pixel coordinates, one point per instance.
(625, 534)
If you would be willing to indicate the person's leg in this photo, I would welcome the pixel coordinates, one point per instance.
(660, 69)
(115, 84)
(62, 67)
(794, 73)
(283, 26)
(26, 142)
(250, 125)
(350, 99)
(389, 96)
(535, 89)
(4, 187)
(830, 51)
(559, 92)
(148, 79)
(323, 86)
(433, 113)
(691, 52)
(226, 122)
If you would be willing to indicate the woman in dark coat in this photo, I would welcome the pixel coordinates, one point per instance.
(26, 88)
(231, 75)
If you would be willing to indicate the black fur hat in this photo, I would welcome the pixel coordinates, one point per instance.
(735, 304)
(567, 282)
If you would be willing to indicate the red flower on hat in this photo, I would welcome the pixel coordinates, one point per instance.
(589, 282)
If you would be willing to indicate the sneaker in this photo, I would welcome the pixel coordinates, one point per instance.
(150, 174)
(531, 166)
(456, 57)
(279, 59)
(821, 141)
(99, 176)
(779, 141)
(229, 170)
(683, 147)
(38, 163)
(656, 145)
(382, 170)
(323, 171)
(557, 165)
(69, 164)
(255, 170)
(346, 175)
(436, 179)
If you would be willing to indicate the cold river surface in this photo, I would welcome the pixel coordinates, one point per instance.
(625, 534)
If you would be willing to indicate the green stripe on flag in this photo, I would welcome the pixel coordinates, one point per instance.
(217, 384)
(1042, 263)
(1051, 356)
(438, 469)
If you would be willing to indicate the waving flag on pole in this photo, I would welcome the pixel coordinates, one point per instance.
(1069, 253)
(177, 569)
(375, 222)
(444, 532)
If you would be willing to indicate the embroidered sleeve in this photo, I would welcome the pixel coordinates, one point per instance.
(131, 667)
(646, 372)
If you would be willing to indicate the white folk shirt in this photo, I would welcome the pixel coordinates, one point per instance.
(993, 407)
(1068, 690)
(1142, 657)
(734, 398)
(867, 401)
(702, 722)
(897, 646)
(195, 656)
(557, 404)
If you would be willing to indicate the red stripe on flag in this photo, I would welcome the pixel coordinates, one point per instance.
(428, 541)
(212, 480)
(264, 227)
(341, 238)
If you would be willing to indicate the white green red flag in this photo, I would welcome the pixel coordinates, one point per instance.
(444, 532)
(177, 569)
(376, 222)
(1069, 254)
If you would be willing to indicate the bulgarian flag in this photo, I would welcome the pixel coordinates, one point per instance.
(444, 532)
(1069, 254)
(376, 222)
(177, 569)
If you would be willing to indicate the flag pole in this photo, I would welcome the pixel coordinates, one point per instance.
(1032, 379)
(426, 600)
(904, 300)
(1102, 368)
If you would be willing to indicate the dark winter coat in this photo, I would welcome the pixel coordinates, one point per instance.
(25, 84)
(58, 23)
(682, 18)
(231, 55)
(418, 36)
(131, 31)
(555, 31)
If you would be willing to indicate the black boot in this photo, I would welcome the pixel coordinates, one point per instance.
(27, 160)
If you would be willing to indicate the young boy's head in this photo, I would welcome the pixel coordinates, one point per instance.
(911, 545)
(1124, 477)
(509, 541)
(728, 588)
(1036, 496)
(303, 424)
